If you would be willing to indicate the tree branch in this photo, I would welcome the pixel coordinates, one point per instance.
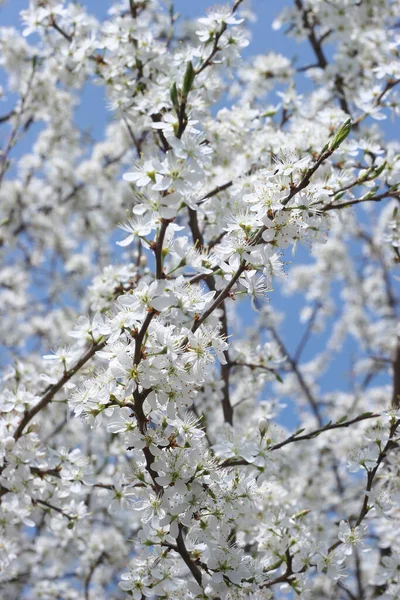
(53, 389)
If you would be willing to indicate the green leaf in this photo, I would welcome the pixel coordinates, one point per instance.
(342, 420)
(188, 79)
(339, 195)
(269, 113)
(302, 513)
(379, 169)
(173, 92)
(299, 431)
(370, 194)
(341, 134)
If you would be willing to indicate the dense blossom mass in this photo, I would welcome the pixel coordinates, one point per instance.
(146, 365)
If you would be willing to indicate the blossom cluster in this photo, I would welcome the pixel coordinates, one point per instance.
(144, 450)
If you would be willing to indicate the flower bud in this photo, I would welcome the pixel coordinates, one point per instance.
(9, 442)
(263, 425)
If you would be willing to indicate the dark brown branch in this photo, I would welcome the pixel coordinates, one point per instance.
(53, 389)
(61, 31)
(225, 373)
(306, 68)
(314, 41)
(92, 569)
(157, 118)
(208, 61)
(346, 590)
(293, 364)
(316, 45)
(97, 58)
(360, 586)
(306, 335)
(378, 198)
(135, 141)
(198, 239)
(217, 190)
(220, 298)
(14, 133)
(217, 240)
(307, 176)
(252, 366)
(187, 559)
(140, 397)
(158, 249)
(55, 508)
(365, 508)
(133, 8)
(297, 437)
(7, 116)
(140, 336)
(227, 185)
(396, 376)
(391, 83)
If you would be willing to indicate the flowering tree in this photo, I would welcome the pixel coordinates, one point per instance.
(144, 455)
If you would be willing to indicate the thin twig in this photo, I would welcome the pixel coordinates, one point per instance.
(53, 389)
